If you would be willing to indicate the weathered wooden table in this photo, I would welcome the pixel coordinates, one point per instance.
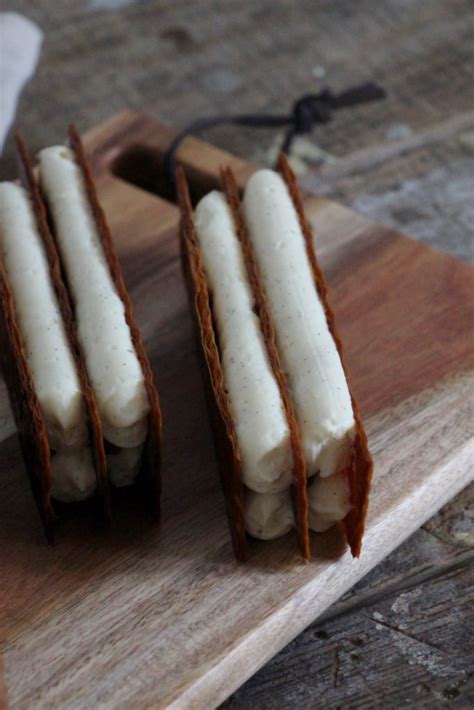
(402, 636)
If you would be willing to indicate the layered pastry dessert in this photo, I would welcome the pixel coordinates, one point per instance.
(78, 376)
(112, 362)
(292, 449)
(49, 353)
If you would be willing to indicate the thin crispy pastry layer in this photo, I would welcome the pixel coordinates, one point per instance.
(225, 438)
(26, 408)
(95, 427)
(152, 456)
(299, 463)
(361, 467)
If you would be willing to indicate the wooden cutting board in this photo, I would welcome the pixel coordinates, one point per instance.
(146, 616)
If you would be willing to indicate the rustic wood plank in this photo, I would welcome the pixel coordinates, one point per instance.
(420, 184)
(128, 618)
(409, 572)
(402, 649)
(318, 668)
(171, 61)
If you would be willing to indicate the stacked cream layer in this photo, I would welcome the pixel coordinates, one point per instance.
(309, 357)
(254, 398)
(112, 363)
(49, 356)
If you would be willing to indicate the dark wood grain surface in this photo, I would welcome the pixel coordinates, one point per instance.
(401, 635)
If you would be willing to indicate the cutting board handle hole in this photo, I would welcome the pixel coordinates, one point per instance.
(142, 166)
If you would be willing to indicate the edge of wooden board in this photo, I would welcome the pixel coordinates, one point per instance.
(256, 649)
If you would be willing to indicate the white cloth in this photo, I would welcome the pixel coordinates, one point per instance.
(20, 45)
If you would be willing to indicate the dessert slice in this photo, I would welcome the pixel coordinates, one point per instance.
(257, 288)
(352, 462)
(265, 428)
(254, 398)
(115, 357)
(315, 376)
(54, 408)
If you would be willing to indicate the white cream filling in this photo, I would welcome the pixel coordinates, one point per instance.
(72, 479)
(309, 354)
(124, 464)
(112, 363)
(268, 515)
(329, 501)
(127, 437)
(49, 356)
(254, 398)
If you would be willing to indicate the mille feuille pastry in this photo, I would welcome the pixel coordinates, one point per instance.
(115, 358)
(54, 407)
(116, 373)
(292, 449)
